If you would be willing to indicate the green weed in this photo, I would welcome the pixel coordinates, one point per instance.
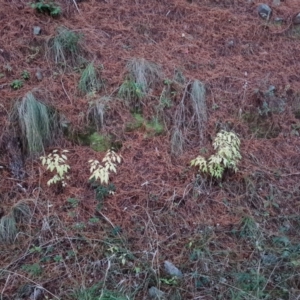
(33, 269)
(89, 81)
(16, 84)
(143, 75)
(98, 142)
(153, 127)
(73, 202)
(102, 192)
(91, 293)
(25, 75)
(47, 7)
(132, 92)
(249, 229)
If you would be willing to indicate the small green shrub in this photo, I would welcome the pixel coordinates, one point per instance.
(25, 75)
(47, 7)
(227, 145)
(102, 191)
(98, 142)
(153, 127)
(16, 84)
(132, 92)
(33, 269)
(91, 293)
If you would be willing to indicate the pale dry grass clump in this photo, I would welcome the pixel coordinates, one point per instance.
(190, 117)
(20, 212)
(37, 122)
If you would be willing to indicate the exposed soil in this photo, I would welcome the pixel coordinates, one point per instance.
(161, 205)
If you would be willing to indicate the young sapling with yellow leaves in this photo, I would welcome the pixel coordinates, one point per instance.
(227, 156)
(57, 163)
(102, 172)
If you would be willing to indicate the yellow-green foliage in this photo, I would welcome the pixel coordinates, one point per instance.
(100, 172)
(227, 146)
(56, 163)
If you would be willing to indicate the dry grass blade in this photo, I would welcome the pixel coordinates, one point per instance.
(197, 96)
(190, 116)
(96, 111)
(177, 142)
(144, 73)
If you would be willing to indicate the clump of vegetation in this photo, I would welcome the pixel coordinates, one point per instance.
(47, 7)
(227, 146)
(16, 84)
(98, 142)
(65, 48)
(89, 81)
(192, 107)
(96, 292)
(167, 95)
(96, 111)
(57, 163)
(25, 75)
(20, 212)
(132, 92)
(153, 127)
(102, 172)
(37, 123)
(146, 74)
(142, 76)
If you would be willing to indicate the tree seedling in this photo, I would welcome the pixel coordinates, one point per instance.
(100, 172)
(227, 145)
(56, 163)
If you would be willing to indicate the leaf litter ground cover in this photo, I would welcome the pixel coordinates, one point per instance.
(235, 238)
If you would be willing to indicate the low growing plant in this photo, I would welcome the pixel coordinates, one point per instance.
(57, 163)
(102, 173)
(25, 75)
(132, 92)
(16, 84)
(65, 47)
(89, 81)
(47, 7)
(227, 146)
(96, 111)
(19, 213)
(36, 122)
